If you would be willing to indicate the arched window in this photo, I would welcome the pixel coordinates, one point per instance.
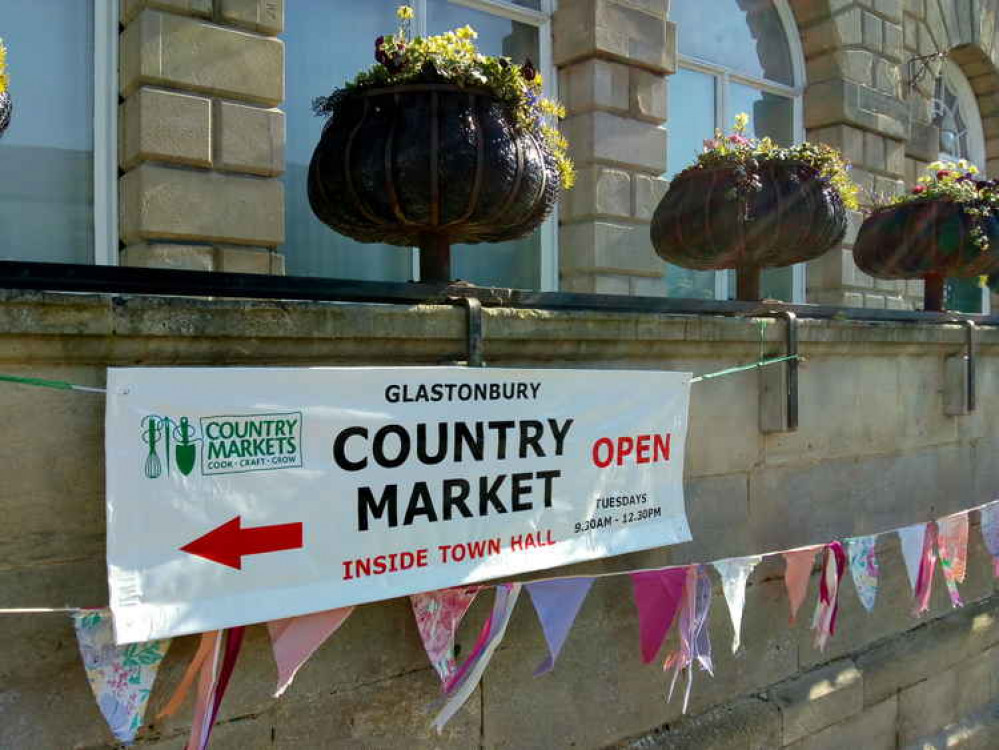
(955, 112)
(734, 56)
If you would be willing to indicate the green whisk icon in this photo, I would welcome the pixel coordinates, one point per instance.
(151, 429)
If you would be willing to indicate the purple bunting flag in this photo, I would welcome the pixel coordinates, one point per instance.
(557, 603)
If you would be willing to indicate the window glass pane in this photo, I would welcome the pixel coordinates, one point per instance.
(964, 295)
(686, 136)
(516, 263)
(47, 154)
(744, 35)
(327, 43)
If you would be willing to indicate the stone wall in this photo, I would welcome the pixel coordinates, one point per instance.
(201, 143)
(874, 451)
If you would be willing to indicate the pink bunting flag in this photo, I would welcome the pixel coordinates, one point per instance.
(295, 639)
(557, 603)
(990, 533)
(827, 606)
(952, 544)
(657, 596)
(438, 614)
(695, 641)
(466, 677)
(927, 564)
(121, 677)
(798, 564)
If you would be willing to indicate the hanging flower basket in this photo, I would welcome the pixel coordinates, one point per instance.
(435, 145)
(748, 204)
(946, 227)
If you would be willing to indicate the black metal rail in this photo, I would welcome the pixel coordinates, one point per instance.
(65, 277)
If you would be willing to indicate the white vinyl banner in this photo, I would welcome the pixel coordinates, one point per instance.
(241, 495)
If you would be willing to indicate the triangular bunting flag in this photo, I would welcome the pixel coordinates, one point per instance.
(798, 569)
(927, 564)
(216, 670)
(466, 677)
(862, 551)
(827, 606)
(557, 603)
(695, 640)
(734, 574)
(121, 677)
(990, 533)
(438, 614)
(952, 543)
(911, 538)
(657, 597)
(295, 639)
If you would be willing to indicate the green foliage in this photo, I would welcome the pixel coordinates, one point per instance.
(744, 154)
(453, 58)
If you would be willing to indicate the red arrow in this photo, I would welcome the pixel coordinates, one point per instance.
(229, 542)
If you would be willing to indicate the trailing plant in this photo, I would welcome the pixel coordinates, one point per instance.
(452, 57)
(954, 182)
(744, 155)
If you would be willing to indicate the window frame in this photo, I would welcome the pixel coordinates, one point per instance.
(723, 78)
(105, 125)
(548, 274)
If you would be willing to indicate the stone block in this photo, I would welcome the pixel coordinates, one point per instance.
(829, 35)
(937, 28)
(648, 286)
(924, 141)
(131, 8)
(889, 9)
(874, 729)
(647, 192)
(873, 32)
(174, 204)
(603, 246)
(849, 141)
(244, 733)
(608, 138)
(930, 650)
(595, 84)
(718, 513)
(746, 724)
(182, 257)
(894, 156)
(615, 30)
(162, 49)
(855, 65)
(648, 95)
(599, 191)
(167, 126)
(249, 260)
(834, 102)
(927, 706)
(807, 12)
(249, 139)
(910, 34)
(874, 151)
(818, 699)
(381, 715)
(266, 16)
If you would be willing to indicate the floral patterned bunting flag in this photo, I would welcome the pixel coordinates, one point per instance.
(864, 568)
(121, 677)
(952, 543)
(438, 614)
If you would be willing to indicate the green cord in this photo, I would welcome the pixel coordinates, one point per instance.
(743, 368)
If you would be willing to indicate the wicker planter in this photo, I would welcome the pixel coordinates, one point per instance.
(6, 108)
(705, 222)
(430, 165)
(927, 240)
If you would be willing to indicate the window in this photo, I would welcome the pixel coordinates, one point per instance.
(955, 113)
(328, 42)
(57, 159)
(747, 59)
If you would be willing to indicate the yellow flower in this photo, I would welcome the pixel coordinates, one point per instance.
(467, 32)
(3, 68)
(404, 12)
(741, 121)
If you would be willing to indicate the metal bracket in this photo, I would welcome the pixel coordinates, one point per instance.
(476, 339)
(959, 376)
(779, 384)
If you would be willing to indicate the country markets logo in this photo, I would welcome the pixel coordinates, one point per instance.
(228, 444)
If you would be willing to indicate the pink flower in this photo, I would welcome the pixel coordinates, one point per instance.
(739, 140)
(711, 144)
(942, 173)
(919, 189)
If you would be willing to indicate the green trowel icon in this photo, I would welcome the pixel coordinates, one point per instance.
(186, 450)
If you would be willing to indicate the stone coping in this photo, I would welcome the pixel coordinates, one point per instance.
(130, 329)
